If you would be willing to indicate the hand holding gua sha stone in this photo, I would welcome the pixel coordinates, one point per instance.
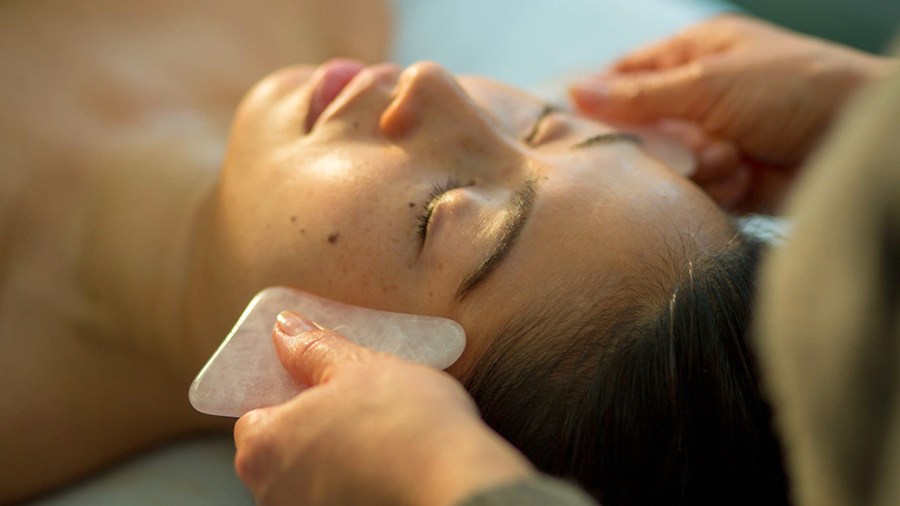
(245, 373)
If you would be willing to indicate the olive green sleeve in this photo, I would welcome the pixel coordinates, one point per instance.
(537, 491)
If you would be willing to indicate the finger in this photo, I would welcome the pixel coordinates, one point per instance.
(310, 353)
(660, 55)
(255, 445)
(642, 59)
(642, 97)
(717, 161)
(768, 187)
(730, 191)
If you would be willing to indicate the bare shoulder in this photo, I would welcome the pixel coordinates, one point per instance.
(86, 87)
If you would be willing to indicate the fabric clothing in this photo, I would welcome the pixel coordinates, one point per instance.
(536, 491)
(829, 322)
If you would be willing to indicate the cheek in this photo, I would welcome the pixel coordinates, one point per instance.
(334, 222)
(352, 244)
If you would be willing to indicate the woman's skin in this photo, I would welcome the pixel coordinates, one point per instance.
(114, 117)
(335, 210)
(127, 256)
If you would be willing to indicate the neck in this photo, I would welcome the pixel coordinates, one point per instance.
(142, 229)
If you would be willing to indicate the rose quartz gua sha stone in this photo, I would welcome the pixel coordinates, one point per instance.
(245, 373)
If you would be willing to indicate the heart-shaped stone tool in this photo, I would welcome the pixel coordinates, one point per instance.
(245, 373)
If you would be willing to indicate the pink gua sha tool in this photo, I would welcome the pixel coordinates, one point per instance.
(245, 373)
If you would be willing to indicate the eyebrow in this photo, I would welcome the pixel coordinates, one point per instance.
(609, 138)
(518, 211)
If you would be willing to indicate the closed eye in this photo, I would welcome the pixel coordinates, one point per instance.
(434, 196)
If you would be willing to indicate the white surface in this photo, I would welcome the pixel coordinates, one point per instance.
(523, 42)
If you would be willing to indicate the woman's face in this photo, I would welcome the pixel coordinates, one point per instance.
(416, 191)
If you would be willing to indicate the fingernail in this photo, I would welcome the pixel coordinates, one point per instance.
(293, 324)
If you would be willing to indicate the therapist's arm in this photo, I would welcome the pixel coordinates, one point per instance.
(768, 92)
(372, 429)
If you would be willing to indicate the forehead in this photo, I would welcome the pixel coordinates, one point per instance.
(599, 225)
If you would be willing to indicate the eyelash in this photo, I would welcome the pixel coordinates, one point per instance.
(452, 183)
(437, 191)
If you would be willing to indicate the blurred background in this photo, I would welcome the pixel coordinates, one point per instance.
(864, 24)
(542, 44)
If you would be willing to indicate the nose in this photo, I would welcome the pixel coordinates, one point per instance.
(430, 100)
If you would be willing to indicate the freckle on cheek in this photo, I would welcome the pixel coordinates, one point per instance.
(333, 238)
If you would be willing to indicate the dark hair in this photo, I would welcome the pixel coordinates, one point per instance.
(659, 403)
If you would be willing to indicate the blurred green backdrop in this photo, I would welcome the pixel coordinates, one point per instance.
(866, 24)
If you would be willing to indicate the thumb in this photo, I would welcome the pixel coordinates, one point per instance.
(640, 97)
(310, 353)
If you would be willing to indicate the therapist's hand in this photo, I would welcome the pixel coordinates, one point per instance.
(371, 429)
(769, 92)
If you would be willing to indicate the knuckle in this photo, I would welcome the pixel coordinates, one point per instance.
(320, 354)
(705, 78)
(247, 466)
(255, 448)
(366, 355)
(315, 342)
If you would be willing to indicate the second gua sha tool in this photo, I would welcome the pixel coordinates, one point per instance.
(245, 373)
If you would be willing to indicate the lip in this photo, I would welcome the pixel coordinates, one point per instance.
(333, 77)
